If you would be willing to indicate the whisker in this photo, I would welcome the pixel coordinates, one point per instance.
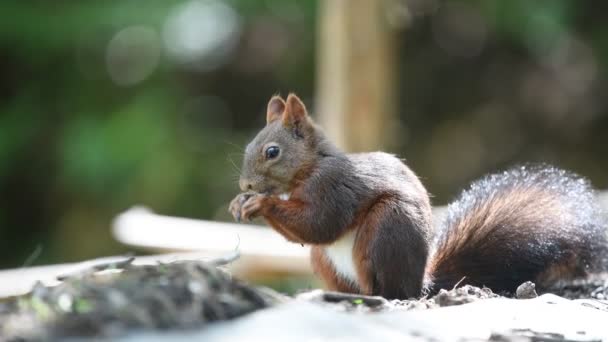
(237, 169)
(238, 147)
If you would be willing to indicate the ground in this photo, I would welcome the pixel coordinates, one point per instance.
(186, 295)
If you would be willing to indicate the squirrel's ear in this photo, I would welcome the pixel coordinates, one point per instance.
(276, 107)
(295, 115)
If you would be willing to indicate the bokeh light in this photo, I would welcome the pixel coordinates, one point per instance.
(133, 54)
(201, 33)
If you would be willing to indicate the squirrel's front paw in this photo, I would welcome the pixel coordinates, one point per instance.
(246, 206)
(237, 204)
(252, 206)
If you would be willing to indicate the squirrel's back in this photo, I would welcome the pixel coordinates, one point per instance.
(534, 223)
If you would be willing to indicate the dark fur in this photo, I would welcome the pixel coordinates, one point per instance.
(379, 197)
(528, 223)
(534, 223)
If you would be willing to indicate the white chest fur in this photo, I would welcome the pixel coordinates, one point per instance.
(341, 255)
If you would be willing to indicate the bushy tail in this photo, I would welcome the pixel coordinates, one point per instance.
(533, 223)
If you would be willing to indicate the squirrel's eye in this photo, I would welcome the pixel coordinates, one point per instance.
(272, 152)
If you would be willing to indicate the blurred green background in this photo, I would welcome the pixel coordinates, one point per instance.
(107, 104)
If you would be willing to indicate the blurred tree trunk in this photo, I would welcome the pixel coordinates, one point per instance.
(356, 74)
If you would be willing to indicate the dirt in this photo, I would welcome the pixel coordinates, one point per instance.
(526, 335)
(349, 302)
(110, 300)
(179, 295)
(595, 287)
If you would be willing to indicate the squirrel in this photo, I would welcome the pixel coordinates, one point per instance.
(368, 217)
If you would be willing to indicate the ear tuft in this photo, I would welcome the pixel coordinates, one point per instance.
(275, 109)
(296, 115)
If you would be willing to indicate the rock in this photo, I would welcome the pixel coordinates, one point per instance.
(462, 295)
(526, 290)
(113, 301)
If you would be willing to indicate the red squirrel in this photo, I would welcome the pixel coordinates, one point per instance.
(368, 217)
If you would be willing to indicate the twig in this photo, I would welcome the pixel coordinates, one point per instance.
(458, 283)
(227, 259)
(95, 265)
(33, 256)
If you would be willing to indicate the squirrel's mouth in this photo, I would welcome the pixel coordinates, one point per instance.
(274, 191)
(283, 195)
(268, 191)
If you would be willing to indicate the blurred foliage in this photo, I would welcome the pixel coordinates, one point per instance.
(108, 104)
(489, 84)
(83, 136)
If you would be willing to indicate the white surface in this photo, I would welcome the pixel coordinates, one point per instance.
(302, 321)
(260, 247)
(143, 228)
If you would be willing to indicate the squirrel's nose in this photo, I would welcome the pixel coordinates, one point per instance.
(245, 185)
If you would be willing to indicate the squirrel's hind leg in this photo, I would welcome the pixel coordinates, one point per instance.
(391, 249)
